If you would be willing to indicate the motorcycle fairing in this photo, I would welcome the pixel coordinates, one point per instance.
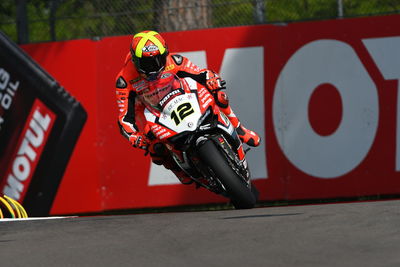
(180, 114)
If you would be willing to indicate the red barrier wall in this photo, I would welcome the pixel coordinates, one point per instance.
(341, 142)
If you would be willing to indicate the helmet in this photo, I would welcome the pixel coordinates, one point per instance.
(149, 53)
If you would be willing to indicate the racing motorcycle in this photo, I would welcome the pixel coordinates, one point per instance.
(182, 114)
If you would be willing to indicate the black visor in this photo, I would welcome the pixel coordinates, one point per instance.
(150, 65)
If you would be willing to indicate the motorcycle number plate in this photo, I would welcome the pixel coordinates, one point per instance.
(181, 113)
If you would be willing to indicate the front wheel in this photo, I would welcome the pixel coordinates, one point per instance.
(240, 194)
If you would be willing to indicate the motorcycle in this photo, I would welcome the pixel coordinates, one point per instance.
(182, 114)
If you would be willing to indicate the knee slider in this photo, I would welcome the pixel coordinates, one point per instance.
(159, 149)
(158, 153)
(156, 160)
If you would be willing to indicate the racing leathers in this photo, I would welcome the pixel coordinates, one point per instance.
(131, 119)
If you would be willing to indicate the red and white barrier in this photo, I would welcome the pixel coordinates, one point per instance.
(323, 95)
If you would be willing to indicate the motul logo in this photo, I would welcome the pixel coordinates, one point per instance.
(28, 151)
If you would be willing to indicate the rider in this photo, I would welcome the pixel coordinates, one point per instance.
(147, 58)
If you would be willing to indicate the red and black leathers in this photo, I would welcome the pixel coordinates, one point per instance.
(129, 82)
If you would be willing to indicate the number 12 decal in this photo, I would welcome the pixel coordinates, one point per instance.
(181, 112)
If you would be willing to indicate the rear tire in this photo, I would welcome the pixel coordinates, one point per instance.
(242, 197)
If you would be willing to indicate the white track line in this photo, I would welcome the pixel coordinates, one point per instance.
(34, 218)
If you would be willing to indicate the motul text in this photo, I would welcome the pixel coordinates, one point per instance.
(29, 151)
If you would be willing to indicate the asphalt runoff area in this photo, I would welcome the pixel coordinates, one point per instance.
(347, 234)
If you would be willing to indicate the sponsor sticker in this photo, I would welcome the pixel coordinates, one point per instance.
(28, 151)
(169, 67)
(150, 48)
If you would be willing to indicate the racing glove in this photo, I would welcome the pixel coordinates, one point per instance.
(139, 140)
(214, 81)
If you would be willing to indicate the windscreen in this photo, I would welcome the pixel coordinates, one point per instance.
(159, 89)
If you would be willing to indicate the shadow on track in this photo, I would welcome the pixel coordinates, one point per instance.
(258, 216)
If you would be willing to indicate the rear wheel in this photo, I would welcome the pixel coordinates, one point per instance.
(240, 194)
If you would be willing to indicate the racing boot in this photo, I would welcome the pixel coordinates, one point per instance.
(248, 137)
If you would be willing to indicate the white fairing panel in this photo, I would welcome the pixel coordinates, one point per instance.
(181, 113)
(149, 116)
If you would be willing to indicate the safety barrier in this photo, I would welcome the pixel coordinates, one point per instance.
(12, 207)
(323, 95)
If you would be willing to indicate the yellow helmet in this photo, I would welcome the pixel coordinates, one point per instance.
(149, 53)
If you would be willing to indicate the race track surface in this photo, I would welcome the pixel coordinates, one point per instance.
(351, 234)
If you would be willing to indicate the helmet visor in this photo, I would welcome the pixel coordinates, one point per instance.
(151, 65)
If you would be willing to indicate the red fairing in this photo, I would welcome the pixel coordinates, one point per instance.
(160, 131)
(205, 99)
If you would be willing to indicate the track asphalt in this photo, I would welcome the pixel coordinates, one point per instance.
(349, 234)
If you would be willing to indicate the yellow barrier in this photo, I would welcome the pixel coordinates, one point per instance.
(13, 207)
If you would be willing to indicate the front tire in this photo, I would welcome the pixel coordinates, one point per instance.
(241, 196)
